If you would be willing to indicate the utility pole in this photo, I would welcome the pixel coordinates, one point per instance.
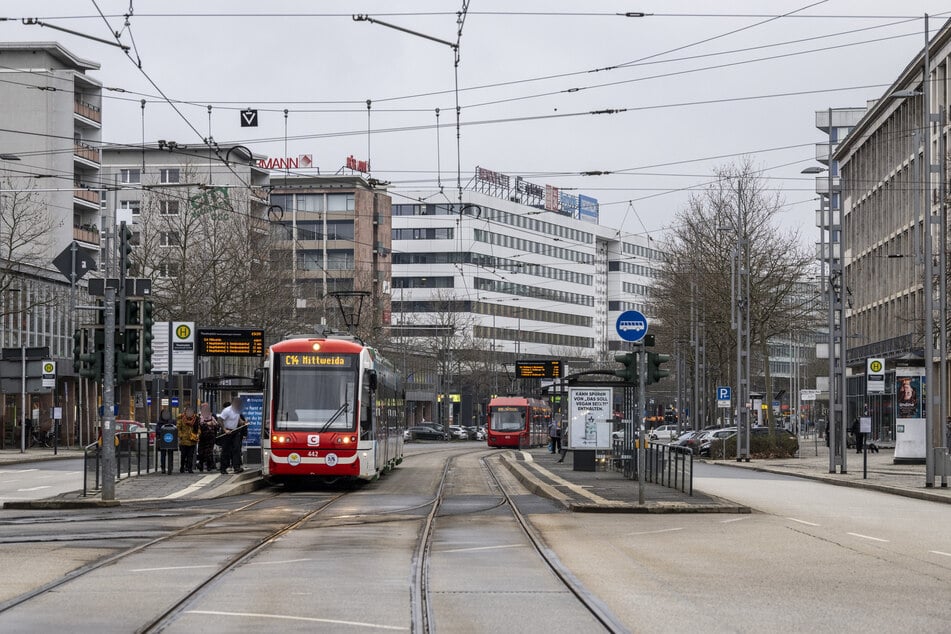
(741, 322)
(642, 427)
(108, 383)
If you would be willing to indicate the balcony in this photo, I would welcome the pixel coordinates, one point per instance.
(87, 111)
(90, 196)
(823, 250)
(86, 152)
(822, 184)
(86, 233)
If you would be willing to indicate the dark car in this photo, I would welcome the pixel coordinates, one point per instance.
(422, 432)
(689, 440)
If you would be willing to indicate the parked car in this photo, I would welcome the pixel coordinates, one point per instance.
(473, 432)
(664, 433)
(710, 435)
(132, 434)
(458, 433)
(689, 440)
(421, 432)
(480, 433)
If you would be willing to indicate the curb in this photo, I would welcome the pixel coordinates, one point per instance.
(881, 488)
(53, 504)
(542, 489)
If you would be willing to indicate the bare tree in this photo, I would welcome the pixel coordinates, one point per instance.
(211, 259)
(695, 281)
(26, 227)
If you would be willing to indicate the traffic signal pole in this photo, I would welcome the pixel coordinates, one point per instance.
(108, 398)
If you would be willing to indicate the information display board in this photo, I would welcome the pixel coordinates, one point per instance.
(545, 369)
(230, 342)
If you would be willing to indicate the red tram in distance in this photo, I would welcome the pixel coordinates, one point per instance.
(333, 408)
(517, 422)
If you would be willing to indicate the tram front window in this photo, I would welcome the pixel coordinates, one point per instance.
(508, 420)
(315, 399)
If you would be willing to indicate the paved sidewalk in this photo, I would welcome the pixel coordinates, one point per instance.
(603, 491)
(145, 487)
(882, 473)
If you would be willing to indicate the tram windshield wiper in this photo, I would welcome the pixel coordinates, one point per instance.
(343, 408)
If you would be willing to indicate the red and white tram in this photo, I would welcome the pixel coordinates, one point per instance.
(517, 422)
(333, 409)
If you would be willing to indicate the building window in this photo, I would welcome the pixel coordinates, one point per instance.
(169, 239)
(308, 202)
(135, 206)
(338, 260)
(168, 269)
(130, 176)
(169, 175)
(168, 207)
(339, 202)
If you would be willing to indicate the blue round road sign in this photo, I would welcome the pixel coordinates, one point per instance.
(631, 325)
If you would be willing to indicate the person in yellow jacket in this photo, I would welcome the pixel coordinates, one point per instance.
(187, 438)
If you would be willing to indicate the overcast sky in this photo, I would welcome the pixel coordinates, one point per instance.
(314, 60)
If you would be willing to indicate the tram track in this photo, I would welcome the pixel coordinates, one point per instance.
(422, 606)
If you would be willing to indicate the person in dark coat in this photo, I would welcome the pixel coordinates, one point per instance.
(554, 433)
(208, 430)
(859, 436)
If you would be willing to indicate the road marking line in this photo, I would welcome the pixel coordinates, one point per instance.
(17, 470)
(938, 552)
(803, 522)
(271, 563)
(45, 486)
(465, 550)
(308, 619)
(194, 487)
(874, 539)
(735, 519)
(172, 568)
(663, 530)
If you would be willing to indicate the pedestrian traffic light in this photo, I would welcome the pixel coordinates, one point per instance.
(145, 346)
(654, 372)
(629, 373)
(79, 347)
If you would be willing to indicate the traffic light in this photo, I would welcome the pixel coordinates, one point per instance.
(127, 356)
(654, 372)
(145, 345)
(79, 347)
(91, 360)
(125, 250)
(629, 373)
(133, 312)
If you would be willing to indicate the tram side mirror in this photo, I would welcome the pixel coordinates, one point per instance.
(371, 379)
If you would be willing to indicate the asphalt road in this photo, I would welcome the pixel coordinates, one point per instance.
(812, 557)
(34, 480)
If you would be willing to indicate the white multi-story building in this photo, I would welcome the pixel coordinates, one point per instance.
(49, 202)
(501, 273)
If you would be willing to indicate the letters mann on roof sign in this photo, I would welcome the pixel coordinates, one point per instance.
(545, 369)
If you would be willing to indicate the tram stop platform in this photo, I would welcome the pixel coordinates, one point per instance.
(603, 491)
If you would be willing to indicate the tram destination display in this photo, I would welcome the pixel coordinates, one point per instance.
(230, 342)
(545, 369)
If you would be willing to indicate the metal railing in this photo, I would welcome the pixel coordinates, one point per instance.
(666, 465)
(134, 456)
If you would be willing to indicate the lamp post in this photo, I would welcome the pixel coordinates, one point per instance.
(838, 406)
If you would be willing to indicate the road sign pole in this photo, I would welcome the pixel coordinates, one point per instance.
(642, 431)
(108, 398)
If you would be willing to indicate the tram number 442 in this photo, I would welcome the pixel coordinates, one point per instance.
(312, 454)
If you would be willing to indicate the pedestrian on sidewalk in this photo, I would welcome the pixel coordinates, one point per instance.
(188, 438)
(208, 430)
(859, 436)
(554, 433)
(235, 428)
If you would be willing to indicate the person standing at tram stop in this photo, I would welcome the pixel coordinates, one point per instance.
(554, 433)
(166, 456)
(859, 436)
(208, 428)
(234, 429)
(187, 438)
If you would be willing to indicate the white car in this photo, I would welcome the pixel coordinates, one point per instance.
(664, 433)
(458, 433)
